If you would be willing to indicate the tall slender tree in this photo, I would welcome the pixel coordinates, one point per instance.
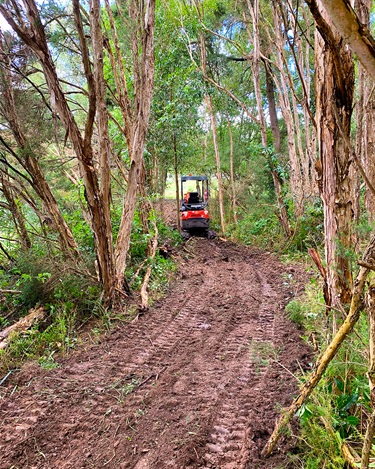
(334, 84)
(25, 155)
(140, 19)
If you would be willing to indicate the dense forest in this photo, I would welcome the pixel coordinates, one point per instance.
(105, 105)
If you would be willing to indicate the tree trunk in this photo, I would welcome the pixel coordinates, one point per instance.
(255, 65)
(151, 252)
(143, 37)
(98, 207)
(102, 119)
(354, 32)
(17, 215)
(310, 123)
(296, 175)
(283, 213)
(163, 174)
(175, 165)
(294, 40)
(232, 184)
(359, 143)
(155, 172)
(369, 145)
(218, 163)
(144, 203)
(209, 106)
(366, 117)
(334, 97)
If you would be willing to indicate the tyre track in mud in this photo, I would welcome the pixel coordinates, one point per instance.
(153, 341)
(232, 432)
(195, 383)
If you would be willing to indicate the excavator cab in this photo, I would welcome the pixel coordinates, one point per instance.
(195, 218)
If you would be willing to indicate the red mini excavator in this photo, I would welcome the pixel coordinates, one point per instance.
(195, 218)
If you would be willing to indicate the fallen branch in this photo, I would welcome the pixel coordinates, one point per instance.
(322, 364)
(145, 380)
(35, 315)
(2, 381)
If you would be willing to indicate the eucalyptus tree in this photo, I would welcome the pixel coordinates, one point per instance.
(291, 58)
(27, 20)
(133, 95)
(334, 70)
(22, 144)
(365, 123)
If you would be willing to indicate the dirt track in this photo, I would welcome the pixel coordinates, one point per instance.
(194, 383)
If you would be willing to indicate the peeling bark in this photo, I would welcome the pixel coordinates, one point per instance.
(143, 38)
(354, 32)
(29, 162)
(334, 97)
(29, 27)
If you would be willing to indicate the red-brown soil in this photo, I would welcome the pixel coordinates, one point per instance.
(196, 382)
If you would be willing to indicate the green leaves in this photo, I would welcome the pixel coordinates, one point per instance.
(304, 412)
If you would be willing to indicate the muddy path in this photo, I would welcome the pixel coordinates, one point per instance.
(196, 382)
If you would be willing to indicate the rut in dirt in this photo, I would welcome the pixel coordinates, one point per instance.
(194, 383)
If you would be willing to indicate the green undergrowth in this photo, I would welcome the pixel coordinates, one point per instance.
(69, 299)
(72, 298)
(261, 227)
(339, 407)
